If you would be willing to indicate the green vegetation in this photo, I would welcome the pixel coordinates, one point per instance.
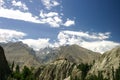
(84, 68)
(24, 74)
(27, 73)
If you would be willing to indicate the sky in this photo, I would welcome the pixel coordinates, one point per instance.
(92, 24)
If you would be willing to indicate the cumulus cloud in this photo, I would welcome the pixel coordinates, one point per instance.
(19, 4)
(54, 19)
(69, 22)
(88, 36)
(97, 42)
(19, 11)
(18, 15)
(37, 44)
(93, 41)
(7, 35)
(100, 46)
(1, 3)
(50, 3)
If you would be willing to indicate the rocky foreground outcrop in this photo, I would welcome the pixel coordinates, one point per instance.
(57, 70)
(108, 62)
(4, 68)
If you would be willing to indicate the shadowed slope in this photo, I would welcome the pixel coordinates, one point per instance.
(4, 68)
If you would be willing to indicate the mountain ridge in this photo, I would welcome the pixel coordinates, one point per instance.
(73, 53)
(20, 54)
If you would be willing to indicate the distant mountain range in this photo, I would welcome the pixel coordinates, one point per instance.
(21, 54)
(73, 53)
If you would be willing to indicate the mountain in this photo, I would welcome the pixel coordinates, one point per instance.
(4, 68)
(20, 54)
(73, 53)
(107, 62)
(65, 63)
(77, 54)
(47, 55)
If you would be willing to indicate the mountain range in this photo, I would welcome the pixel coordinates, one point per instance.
(70, 62)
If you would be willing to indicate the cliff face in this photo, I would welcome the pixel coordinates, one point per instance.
(109, 60)
(57, 70)
(4, 68)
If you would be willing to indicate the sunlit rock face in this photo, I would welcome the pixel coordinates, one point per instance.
(108, 61)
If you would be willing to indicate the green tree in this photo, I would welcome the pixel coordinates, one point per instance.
(27, 74)
(12, 66)
(84, 68)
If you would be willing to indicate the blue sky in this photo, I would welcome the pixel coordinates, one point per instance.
(93, 24)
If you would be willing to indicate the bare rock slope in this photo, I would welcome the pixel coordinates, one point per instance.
(109, 60)
(20, 53)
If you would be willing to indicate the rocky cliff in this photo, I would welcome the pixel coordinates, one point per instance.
(108, 61)
(57, 70)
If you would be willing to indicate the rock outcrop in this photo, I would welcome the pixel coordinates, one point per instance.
(109, 60)
(57, 70)
(4, 68)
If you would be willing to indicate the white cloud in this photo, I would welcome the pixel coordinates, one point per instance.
(87, 35)
(54, 19)
(7, 35)
(50, 14)
(51, 18)
(1, 3)
(50, 3)
(37, 44)
(19, 4)
(69, 22)
(19, 11)
(100, 46)
(18, 15)
(94, 41)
